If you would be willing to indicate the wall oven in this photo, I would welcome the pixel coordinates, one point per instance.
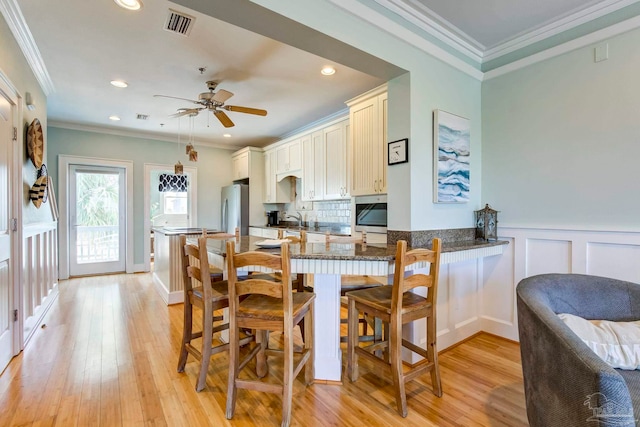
(371, 214)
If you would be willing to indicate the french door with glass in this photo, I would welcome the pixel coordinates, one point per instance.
(97, 215)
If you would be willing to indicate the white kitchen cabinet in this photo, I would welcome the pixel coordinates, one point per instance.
(289, 157)
(274, 191)
(313, 166)
(368, 134)
(335, 162)
(248, 163)
(255, 231)
(240, 165)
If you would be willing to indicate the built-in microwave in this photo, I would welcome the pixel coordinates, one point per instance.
(371, 213)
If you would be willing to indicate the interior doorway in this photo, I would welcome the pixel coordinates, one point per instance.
(172, 208)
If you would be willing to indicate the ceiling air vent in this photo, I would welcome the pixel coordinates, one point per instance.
(142, 116)
(179, 23)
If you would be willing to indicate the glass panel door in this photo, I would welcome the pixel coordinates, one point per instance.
(97, 215)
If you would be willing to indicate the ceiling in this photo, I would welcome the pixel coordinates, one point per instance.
(84, 45)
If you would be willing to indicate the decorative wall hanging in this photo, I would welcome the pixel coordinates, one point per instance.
(398, 152)
(174, 183)
(451, 148)
(35, 143)
(38, 193)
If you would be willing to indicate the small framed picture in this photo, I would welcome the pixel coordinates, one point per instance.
(398, 152)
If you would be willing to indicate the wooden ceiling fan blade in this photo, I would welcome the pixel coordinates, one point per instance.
(247, 110)
(221, 96)
(224, 119)
(175, 97)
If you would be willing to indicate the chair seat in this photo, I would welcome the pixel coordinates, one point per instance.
(269, 308)
(354, 283)
(220, 291)
(380, 299)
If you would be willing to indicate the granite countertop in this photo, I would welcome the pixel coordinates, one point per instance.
(176, 231)
(340, 251)
(336, 230)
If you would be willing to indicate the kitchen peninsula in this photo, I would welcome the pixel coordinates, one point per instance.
(327, 264)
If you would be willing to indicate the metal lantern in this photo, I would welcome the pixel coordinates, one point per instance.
(487, 223)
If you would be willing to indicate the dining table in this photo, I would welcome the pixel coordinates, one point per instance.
(327, 263)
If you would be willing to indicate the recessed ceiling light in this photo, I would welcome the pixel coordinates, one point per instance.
(227, 135)
(328, 71)
(114, 118)
(119, 83)
(129, 4)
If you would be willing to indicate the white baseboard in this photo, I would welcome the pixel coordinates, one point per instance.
(176, 297)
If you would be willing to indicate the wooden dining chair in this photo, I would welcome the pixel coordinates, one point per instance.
(397, 305)
(350, 283)
(208, 296)
(216, 273)
(269, 305)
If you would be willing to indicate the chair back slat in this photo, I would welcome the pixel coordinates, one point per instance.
(195, 266)
(194, 273)
(258, 286)
(416, 281)
(258, 259)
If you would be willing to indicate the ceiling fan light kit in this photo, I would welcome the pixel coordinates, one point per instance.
(214, 102)
(129, 4)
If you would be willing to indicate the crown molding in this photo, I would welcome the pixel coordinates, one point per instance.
(134, 134)
(567, 23)
(589, 39)
(428, 21)
(433, 24)
(402, 33)
(20, 30)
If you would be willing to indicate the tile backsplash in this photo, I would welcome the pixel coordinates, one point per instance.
(327, 211)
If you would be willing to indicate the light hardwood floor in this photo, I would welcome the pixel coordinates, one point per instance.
(108, 355)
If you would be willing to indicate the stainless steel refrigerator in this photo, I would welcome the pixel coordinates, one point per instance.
(235, 209)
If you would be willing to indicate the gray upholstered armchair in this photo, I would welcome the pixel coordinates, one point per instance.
(565, 383)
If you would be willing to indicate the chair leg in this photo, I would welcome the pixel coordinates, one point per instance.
(207, 338)
(187, 330)
(287, 386)
(352, 341)
(432, 356)
(396, 366)
(309, 345)
(234, 355)
(262, 339)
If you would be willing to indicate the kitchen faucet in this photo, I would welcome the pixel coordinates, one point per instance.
(298, 217)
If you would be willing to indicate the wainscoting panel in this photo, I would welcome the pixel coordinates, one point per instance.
(620, 261)
(39, 274)
(533, 251)
(548, 256)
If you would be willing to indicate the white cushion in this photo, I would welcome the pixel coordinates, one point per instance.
(617, 343)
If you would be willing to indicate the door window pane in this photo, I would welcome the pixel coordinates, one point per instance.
(98, 217)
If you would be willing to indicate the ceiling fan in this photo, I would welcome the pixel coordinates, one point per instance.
(215, 102)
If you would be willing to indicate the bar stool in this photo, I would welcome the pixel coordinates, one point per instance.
(350, 283)
(269, 305)
(209, 296)
(396, 305)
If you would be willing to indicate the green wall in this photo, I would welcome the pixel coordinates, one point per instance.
(214, 169)
(15, 67)
(561, 140)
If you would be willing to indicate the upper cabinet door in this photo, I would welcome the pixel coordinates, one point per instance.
(335, 170)
(368, 134)
(289, 157)
(308, 169)
(241, 166)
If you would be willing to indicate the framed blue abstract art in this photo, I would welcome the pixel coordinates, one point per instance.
(451, 146)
